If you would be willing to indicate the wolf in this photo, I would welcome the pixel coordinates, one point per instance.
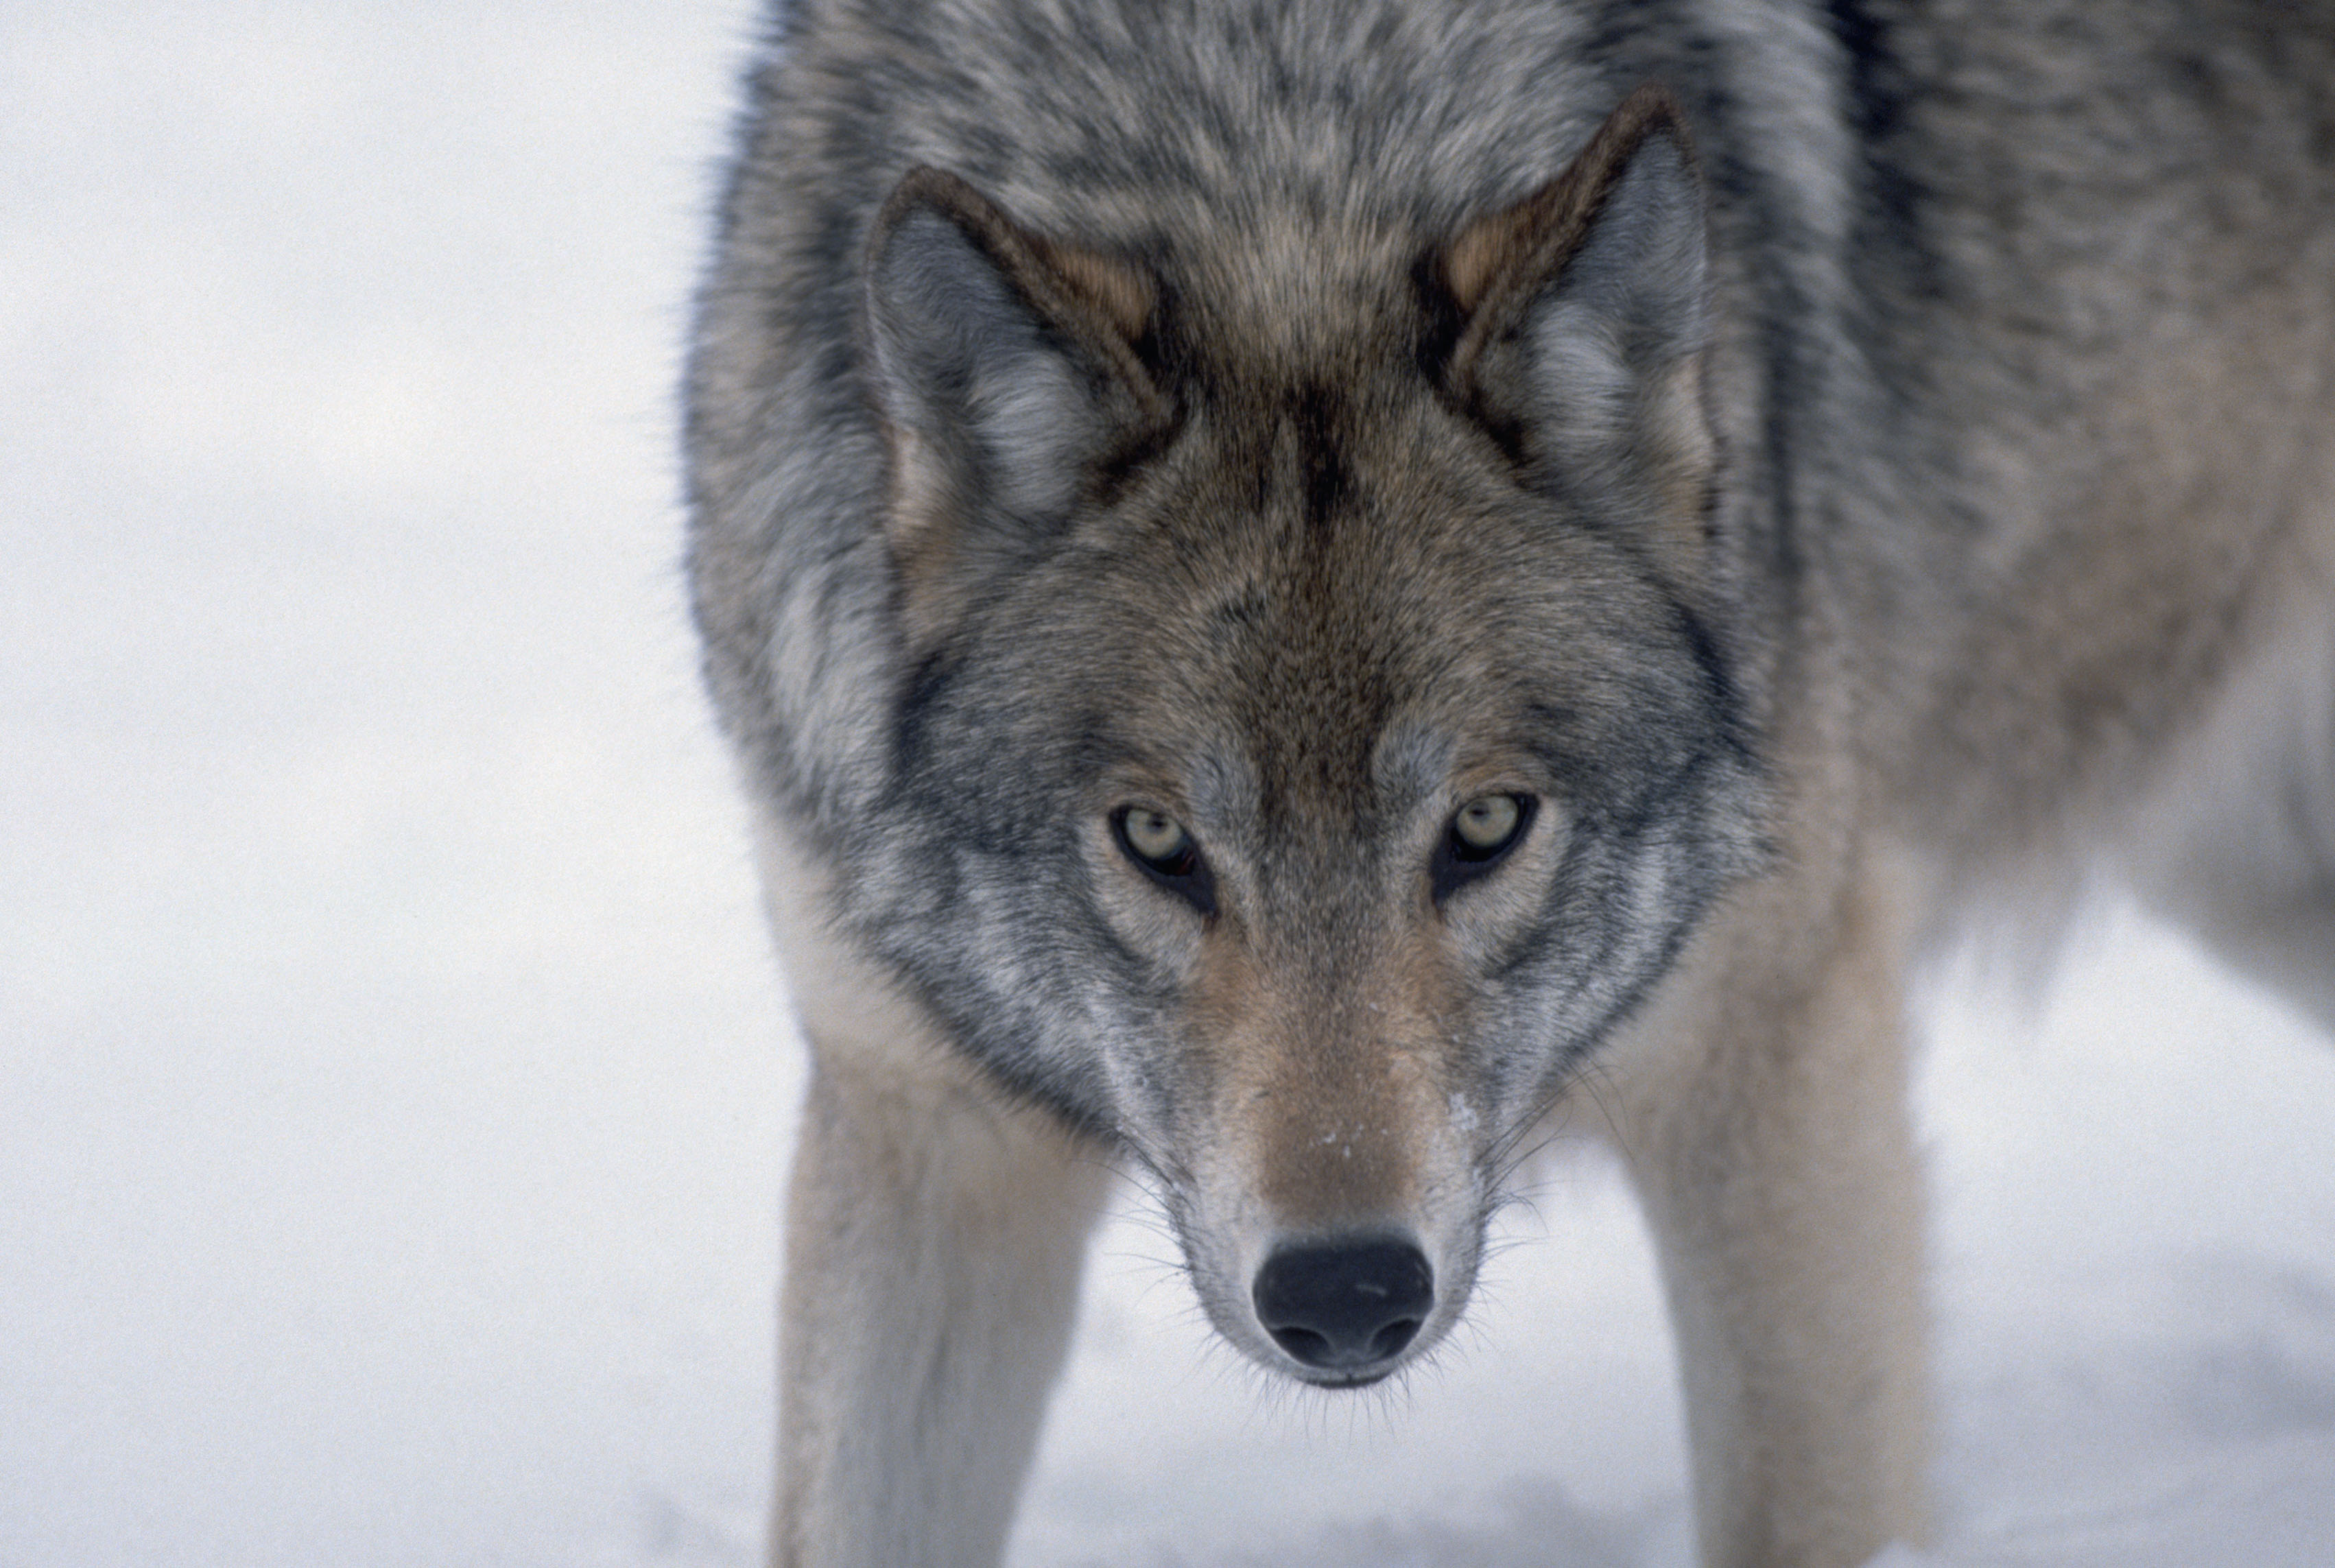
(1305, 588)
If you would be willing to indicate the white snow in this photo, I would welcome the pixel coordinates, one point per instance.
(394, 1084)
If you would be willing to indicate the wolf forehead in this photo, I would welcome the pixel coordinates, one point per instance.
(1315, 606)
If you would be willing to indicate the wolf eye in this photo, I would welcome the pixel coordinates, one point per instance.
(1481, 834)
(1154, 837)
(1159, 846)
(1486, 826)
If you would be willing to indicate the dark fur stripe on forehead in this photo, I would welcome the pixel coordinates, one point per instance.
(1312, 419)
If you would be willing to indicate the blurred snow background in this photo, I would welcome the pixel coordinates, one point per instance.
(393, 1085)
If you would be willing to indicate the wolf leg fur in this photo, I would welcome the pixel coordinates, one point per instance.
(1773, 1154)
(935, 1240)
(934, 1244)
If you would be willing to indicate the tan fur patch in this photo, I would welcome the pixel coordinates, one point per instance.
(918, 528)
(1341, 1105)
(1118, 291)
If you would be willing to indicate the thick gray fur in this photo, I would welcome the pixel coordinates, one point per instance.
(1993, 347)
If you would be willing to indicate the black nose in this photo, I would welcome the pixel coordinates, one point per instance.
(1345, 1306)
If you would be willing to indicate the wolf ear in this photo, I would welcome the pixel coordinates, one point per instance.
(1006, 372)
(1584, 313)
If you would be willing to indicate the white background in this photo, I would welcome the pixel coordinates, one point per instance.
(394, 1084)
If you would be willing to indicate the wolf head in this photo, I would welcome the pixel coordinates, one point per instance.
(1316, 725)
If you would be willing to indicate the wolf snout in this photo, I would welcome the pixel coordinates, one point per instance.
(1347, 1306)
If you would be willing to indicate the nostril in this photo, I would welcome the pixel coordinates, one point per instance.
(1390, 1339)
(1304, 1344)
(1345, 1305)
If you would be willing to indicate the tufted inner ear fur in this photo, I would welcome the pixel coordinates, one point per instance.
(1006, 372)
(1585, 314)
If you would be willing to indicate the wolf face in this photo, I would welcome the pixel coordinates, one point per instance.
(1320, 725)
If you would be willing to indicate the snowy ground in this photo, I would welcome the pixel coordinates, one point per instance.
(392, 1086)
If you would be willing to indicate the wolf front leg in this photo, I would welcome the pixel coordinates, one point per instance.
(933, 1244)
(1770, 1143)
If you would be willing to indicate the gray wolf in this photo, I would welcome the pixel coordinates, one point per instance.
(1301, 586)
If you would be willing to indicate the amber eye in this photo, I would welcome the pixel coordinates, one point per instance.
(1481, 834)
(1485, 825)
(1154, 837)
(1158, 844)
